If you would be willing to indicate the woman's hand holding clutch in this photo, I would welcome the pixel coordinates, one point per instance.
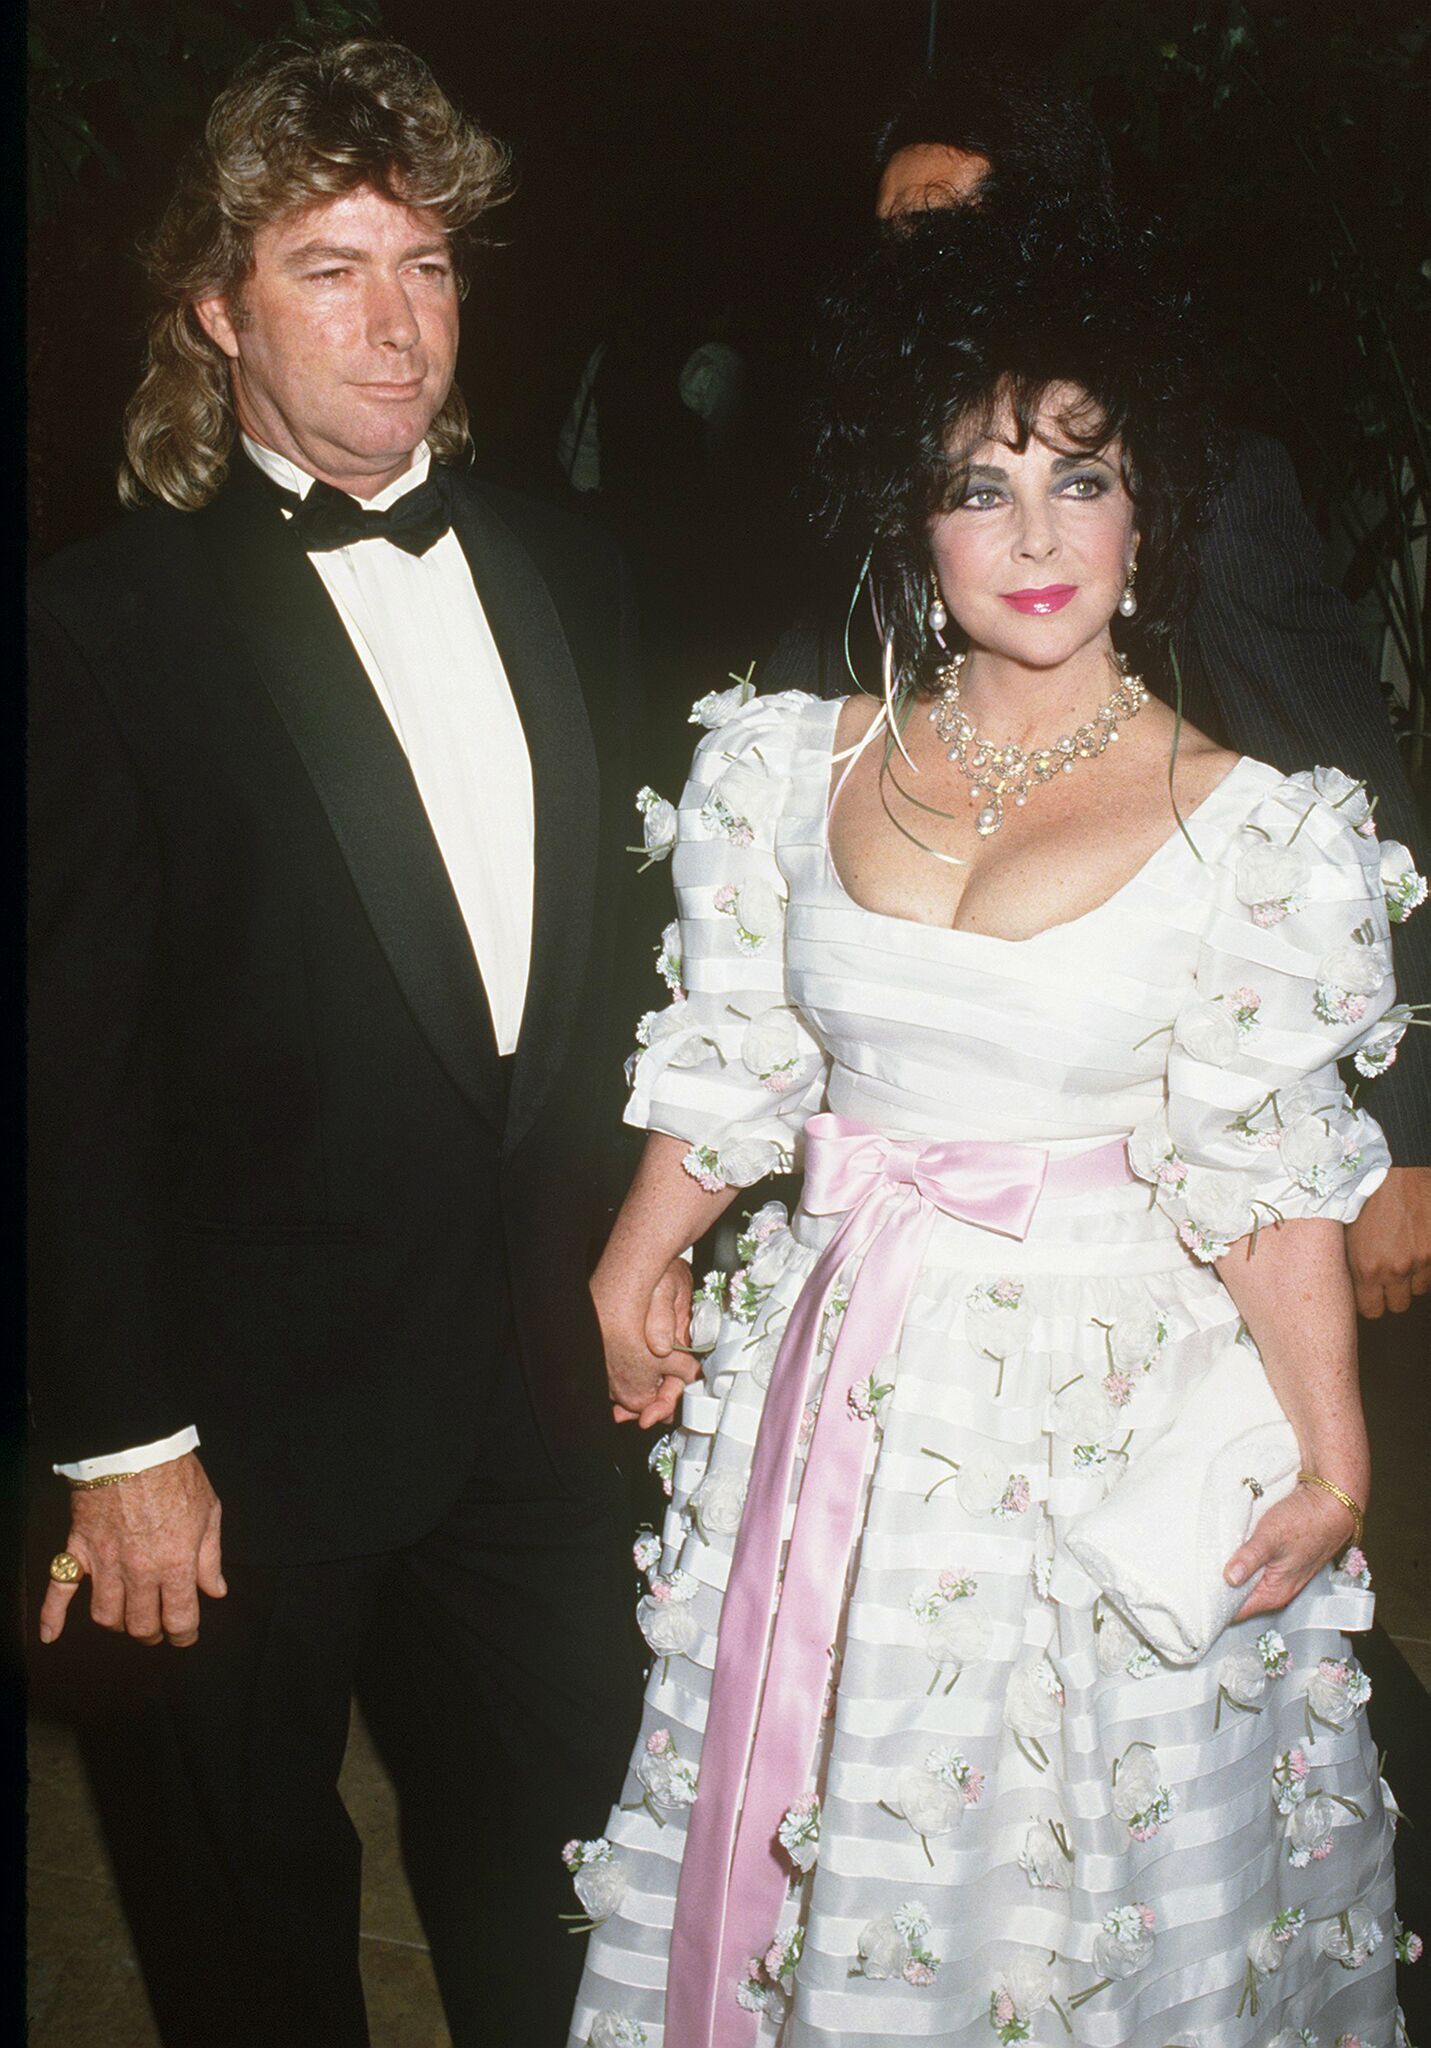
(1291, 1543)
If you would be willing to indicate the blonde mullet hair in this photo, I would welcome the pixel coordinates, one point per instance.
(298, 125)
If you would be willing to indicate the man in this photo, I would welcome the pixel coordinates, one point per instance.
(1273, 662)
(329, 788)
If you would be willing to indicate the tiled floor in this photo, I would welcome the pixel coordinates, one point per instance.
(84, 1987)
(85, 1990)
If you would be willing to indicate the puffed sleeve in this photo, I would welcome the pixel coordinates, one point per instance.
(1293, 975)
(730, 1066)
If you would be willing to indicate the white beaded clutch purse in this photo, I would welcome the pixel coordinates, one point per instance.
(1157, 1545)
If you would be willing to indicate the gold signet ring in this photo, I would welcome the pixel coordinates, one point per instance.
(65, 1568)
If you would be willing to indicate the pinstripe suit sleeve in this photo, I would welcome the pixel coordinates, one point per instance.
(1289, 674)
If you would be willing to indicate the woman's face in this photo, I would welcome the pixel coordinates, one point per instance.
(1033, 560)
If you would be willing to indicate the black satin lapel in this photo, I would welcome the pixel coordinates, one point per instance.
(279, 607)
(543, 678)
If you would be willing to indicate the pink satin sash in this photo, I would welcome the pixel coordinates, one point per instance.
(773, 1655)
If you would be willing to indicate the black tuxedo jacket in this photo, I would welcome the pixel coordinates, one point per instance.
(1274, 665)
(282, 1186)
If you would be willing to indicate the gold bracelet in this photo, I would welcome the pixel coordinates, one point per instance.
(108, 1479)
(1358, 1518)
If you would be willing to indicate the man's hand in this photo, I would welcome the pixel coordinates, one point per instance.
(149, 1547)
(668, 1331)
(1389, 1245)
(640, 1391)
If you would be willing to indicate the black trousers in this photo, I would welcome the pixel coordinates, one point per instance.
(500, 1673)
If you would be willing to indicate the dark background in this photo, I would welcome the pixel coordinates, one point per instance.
(687, 172)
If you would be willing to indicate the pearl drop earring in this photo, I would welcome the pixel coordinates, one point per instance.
(936, 618)
(1128, 602)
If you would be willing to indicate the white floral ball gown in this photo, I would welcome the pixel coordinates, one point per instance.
(1003, 1817)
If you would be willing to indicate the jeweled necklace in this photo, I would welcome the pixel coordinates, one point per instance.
(997, 774)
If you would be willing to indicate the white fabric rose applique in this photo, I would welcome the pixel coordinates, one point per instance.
(799, 1832)
(999, 1322)
(716, 1506)
(1140, 1798)
(740, 799)
(668, 1780)
(1152, 1155)
(985, 1486)
(1024, 1989)
(770, 1979)
(1346, 795)
(771, 1049)
(1046, 1858)
(1349, 976)
(1309, 1831)
(1266, 1953)
(1378, 1050)
(953, 1632)
(897, 1945)
(765, 1237)
(1271, 881)
(1133, 1340)
(1212, 1209)
(738, 1165)
(668, 959)
(680, 1042)
(755, 908)
(658, 827)
(867, 1398)
(708, 1311)
(1337, 1692)
(1081, 1414)
(1217, 1212)
(665, 1615)
(615, 2030)
(1317, 1154)
(1033, 1708)
(599, 1879)
(1353, 1570)
(1243, 1676)
(661, 1460)
(1289, 1779)
(932, 1795)
(1402, 887)
(1352, 1939)
(718, 707)
(1214, 1029)
(1123, 1945)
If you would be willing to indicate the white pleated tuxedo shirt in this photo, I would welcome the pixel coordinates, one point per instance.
(417, 625)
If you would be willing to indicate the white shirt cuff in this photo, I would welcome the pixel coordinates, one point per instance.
(138, 1460)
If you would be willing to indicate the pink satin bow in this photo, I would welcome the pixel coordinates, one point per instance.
(772, 1662)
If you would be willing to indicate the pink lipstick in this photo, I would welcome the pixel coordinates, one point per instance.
(1040, 604)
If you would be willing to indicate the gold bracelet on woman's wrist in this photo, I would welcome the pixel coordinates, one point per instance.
(1358, 1518)
(105, 1479)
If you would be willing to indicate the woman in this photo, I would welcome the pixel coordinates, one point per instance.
(979, 946)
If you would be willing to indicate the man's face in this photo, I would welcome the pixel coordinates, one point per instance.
(926, 175)
(343, 342)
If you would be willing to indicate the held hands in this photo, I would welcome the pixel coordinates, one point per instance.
(647, 1364)
(1389, 1244)
(1292, 1541)
(149, 1546)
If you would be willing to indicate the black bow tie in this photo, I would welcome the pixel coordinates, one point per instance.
(329, 518)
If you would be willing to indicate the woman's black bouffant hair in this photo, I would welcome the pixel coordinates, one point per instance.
(947, 327)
